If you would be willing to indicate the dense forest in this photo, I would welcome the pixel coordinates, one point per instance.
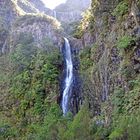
(104, 101)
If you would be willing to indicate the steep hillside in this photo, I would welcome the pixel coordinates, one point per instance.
(30, 66)
(26, 17)
(110, 67)
(104, 49)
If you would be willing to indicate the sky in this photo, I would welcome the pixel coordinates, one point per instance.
(53, 3)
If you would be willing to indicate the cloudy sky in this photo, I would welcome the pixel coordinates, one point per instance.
(53, 3)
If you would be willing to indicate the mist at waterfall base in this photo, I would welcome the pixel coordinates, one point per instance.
(68, 78)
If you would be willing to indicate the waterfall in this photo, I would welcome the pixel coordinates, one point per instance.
(54, 14)
(68, 77)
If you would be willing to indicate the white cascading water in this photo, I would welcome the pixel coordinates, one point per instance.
(54, 14)
(68, 78)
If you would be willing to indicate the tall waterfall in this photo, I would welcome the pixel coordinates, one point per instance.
(54, 14)
(68, 78)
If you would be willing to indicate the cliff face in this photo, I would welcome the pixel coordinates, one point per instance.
(73, 5)
(25, 17)
(8, 13)
(32, 6)
(41, 27)
(16, 11)
(108, 32)
(71, 11)
(112, 58)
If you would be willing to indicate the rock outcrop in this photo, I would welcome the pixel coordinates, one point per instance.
(113, 67)
(27, 17)
(41, 27)
(71, 10)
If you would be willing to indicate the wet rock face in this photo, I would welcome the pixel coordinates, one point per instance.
(76, 98)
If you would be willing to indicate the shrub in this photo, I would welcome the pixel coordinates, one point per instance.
(126, 127)
(125, 42)
(87, 23)
(121, 9)
(23, 52)
(118, 100)
(79, 129)
(35, 86)
(85, 59)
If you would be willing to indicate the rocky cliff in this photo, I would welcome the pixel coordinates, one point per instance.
(25, 17)
(22, 11)
(71, 11)
(110, 31)
(111, 56)
(41, 27)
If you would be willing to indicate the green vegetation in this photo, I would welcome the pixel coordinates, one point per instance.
(86, 24)
(126, 122)
(55, 126)
(85, 59)
(126, 127)
(50, 126)
(79, 129)
(34, 85)
(124, 42)
(121, 9)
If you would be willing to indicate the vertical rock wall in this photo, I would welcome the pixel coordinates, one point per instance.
(109, 61)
